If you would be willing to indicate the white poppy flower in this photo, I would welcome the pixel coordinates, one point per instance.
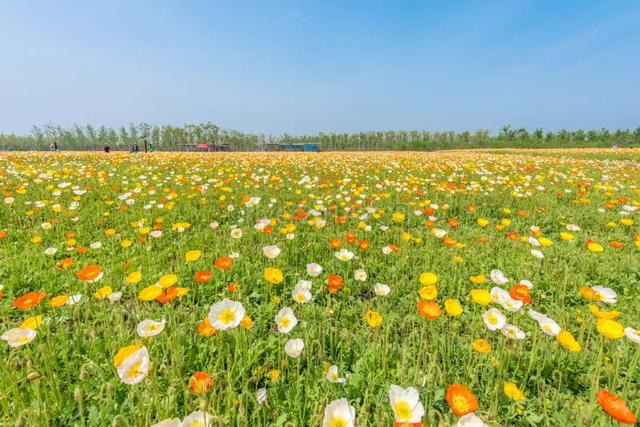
(632, 334)
(18, 337)
(333, 376)
(470, 420)
(135, 367)
(406, 404)
(294, 347)
(607, 295)
(169, 422)
(381, 289)
(360, 275)
(198, 419)
(339, 413)
(286, 320)
(226, 314)
(302, 292)
(271, 252)
(261, 396)
(344, 255)
(513, 332)
(494, 319)
(150, 328)
(498, 277)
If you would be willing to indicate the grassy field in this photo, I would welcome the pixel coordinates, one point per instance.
(534, 252)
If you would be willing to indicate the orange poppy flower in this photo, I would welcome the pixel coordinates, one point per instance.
(449, 242)
(588, 294)
(513, 235)
(167, 296)
(200, 382)
(224, 263)
(232, 287)
(616, 408)
(28, 300)
(202, 276)
(91, 273)
(397, 424)
(267, 230)
(461, 400)
(335, 243)
(350, 237)
(341, 219)
(205, 329)
(616, 245)
(521, 293)
(429, 309)
(65, 263)
(335, 283)
(453, 222)
(3, 234)
(364, 245)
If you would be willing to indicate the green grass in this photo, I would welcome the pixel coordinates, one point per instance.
(66, 375)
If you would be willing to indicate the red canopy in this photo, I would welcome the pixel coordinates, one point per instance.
(202, 146)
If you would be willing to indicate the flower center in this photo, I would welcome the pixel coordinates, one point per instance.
(403, 410)
(227, 316)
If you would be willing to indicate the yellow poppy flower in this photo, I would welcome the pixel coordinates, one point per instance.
(103, 292)
(373, 318)
(133, 278)
(478, 280)
(428, 293)
(602, 314)
(150, 293)
(167, 280)
(481, 346)
(513, 392)
(453, 307)
(610, 329)
(58, 301)
(32, 322)
(273, 275)
(481, 296)
(428, 278)
(193, 255)
(567, 341)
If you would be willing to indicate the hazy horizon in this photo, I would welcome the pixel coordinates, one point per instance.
(304, 68)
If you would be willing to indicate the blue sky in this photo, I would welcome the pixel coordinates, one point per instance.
(306, 67)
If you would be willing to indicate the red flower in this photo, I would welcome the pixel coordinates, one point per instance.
(167, 296)
(461, 400)
(90, 273)
(200, 382)
(429, 309)
(202, 276)
(29, 300)
(224, 263)
(616, 408)
(335, 283)
(521, 293)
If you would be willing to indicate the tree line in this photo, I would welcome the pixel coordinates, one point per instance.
(185, 137)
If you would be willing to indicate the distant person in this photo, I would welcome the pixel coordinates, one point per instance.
(106, 147)
(54, 146)
(135, 148)
(146, 146)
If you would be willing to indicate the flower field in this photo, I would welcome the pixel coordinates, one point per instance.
(332, 289)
